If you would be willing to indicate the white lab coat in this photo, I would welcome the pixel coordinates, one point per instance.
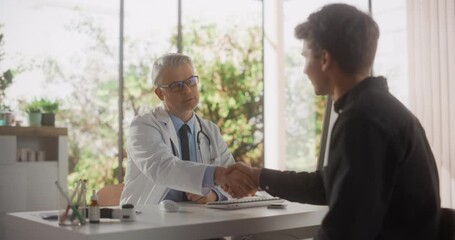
(152, 169)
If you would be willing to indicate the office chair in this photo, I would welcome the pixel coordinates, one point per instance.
(109, 195)
(447, 224)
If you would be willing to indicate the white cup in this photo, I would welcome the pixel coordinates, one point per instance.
(40, 156)
(23, 154)
(31, 156)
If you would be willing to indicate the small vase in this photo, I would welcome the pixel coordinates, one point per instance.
(34, 119)
(10, 120)
(48, 119)
(2, 118)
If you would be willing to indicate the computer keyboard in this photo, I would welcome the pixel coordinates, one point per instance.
(246, 202)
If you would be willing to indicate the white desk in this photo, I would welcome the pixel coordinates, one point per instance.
(193, 221)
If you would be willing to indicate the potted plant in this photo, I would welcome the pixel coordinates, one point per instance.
(6, 116)
(49, 109)
(34, 113)
(6, 79)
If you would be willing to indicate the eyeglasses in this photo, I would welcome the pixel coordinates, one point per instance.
(179, 85)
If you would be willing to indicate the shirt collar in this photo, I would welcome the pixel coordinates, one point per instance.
(178, 122)
(374, 83)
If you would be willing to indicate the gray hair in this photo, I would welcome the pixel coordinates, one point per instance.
(168, 60)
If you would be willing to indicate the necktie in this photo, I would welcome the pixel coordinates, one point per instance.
(184, 145)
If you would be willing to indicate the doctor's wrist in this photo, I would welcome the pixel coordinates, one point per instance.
(219, 195)
(218, 177)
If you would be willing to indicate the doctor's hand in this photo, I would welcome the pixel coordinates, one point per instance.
(252, 173)
(210, 197)
(236, 183)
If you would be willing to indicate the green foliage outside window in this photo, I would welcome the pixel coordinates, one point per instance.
(304, 116)
(6, 76)
(229, 63)
(231, 94)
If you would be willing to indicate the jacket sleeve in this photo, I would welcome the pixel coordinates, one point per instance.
(357, 180)
(152, 154)
(303, 187)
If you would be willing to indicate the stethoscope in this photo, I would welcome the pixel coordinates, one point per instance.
(198, 141)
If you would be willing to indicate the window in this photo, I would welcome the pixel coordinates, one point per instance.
(224, 38)
(245, 52)
(300, 112)
(68, 51)
(391, 57)
(303, 110)
(150, 27)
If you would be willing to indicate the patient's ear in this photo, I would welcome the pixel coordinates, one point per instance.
(325, 60)
(159, 93)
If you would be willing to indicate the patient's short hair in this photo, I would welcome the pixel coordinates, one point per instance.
(168, 60)
(348, 34)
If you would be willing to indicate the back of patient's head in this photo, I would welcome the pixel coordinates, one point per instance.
(349, 35)
(168, 60)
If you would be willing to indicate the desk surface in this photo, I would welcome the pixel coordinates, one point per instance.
(192, 221)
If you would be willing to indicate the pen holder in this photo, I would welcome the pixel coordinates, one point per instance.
(69, 215)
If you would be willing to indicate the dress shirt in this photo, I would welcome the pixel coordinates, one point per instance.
(209, 174)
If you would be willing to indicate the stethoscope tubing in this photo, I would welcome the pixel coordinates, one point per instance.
(198, 141)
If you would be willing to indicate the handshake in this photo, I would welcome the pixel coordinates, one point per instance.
(239, 180)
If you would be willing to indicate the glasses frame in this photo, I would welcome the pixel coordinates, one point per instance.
(180, 84)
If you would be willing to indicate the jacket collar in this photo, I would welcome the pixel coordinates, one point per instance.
(162, 115)
(165, 117)
(370, 83)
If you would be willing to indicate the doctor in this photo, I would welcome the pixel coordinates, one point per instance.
(172, 152)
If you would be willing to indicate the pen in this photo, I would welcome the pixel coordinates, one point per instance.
(72, 200)
(80, 196)
(73, 207)
(80, 202)
(84, 190)
(65, 214)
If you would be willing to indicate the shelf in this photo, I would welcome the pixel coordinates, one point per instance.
(33, 131)
(29, 185)
(37, 162)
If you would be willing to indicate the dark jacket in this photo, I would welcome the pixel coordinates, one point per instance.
(381, 180)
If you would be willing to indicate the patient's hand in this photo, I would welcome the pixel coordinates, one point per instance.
(249, 174)
(234, 181)
(210, 197)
